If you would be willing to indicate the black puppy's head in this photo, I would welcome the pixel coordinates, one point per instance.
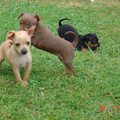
(92, 40)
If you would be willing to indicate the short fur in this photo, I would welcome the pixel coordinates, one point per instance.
(44, 39)
(91, 39)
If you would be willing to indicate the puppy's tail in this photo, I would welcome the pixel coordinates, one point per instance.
(62, 20)
(74, 43)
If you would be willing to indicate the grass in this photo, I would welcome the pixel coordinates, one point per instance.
(50, 94)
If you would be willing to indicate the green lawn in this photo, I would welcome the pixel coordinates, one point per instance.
(50, 94)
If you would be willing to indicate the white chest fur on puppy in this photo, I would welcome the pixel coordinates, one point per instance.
(24, 60)
(20, 60)
(16, 50)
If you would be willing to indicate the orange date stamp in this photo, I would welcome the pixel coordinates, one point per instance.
(102, 108)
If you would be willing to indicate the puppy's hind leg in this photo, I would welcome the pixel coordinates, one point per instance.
(61, 59)
(67, 70)
(70, 67)
(73, 72)
(68, 64)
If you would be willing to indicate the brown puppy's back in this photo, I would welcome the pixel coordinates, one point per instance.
(50, 42)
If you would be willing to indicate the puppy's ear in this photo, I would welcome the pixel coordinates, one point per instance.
(39, 17)
(20, 15)
(87, 36)
(31, 30)
(10, 35)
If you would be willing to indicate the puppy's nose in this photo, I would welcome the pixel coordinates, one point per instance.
(98, 45)
(24, 51)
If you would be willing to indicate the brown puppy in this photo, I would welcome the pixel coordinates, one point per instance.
(16, 51)
(44, 39)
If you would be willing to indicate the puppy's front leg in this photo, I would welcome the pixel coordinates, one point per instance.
(27, 74)
(16, 71)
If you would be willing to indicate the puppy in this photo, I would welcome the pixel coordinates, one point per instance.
(44, 39)
(16, 50)
(91, 39)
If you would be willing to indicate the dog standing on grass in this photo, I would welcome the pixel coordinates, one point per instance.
(16, 50)
(91, 38)
(44, 39)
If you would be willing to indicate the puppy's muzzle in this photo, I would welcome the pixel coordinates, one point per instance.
(93, 47)
(24, 51)
(98, 45)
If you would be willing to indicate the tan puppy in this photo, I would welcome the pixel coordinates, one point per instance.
(16, 50)
(44, 39)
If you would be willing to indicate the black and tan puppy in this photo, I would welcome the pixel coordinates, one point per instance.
(44, 39)
(91, 39)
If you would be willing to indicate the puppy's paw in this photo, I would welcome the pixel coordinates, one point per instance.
(24, 83)
(72, 76)
(84, 50)
(66, 72)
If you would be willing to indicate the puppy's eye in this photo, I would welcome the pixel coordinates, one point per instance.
(28, 43)
(29, 25)
(17, 44)
(96, 40)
